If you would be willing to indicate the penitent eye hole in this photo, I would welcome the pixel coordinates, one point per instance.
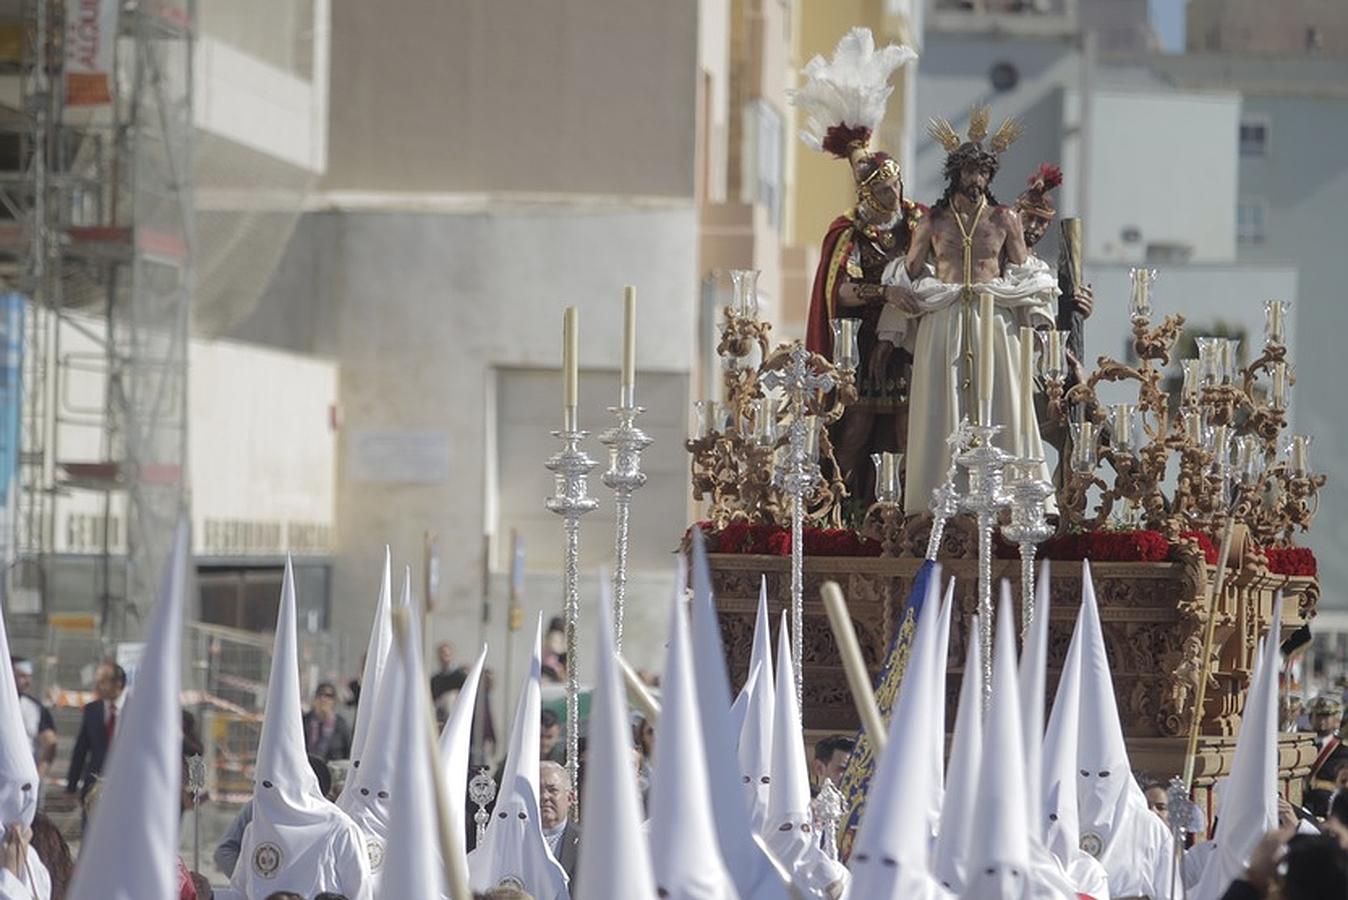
(1104, 774)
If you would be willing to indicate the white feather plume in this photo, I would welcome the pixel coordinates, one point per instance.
(851, 89)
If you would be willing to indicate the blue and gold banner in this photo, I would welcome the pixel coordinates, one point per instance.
(856, 779)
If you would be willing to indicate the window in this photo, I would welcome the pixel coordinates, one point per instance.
(1251, 222)
(763, 151)
(1254, 138)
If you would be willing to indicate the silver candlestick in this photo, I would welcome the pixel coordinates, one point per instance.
(571, 467)
(1028, 526)
(798, 474)
(625, 441)
(481, 790)
(945, 498)
(987, 495)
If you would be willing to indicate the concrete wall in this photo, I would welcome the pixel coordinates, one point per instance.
(261, 454)
(596, 97)
(1163, 162)
(423, 310)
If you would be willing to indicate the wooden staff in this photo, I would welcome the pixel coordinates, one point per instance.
(1205, 666)
(858, 679)
(1070, 318)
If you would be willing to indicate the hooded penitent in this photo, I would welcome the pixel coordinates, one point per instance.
(298, 840)
(685, 858)
(1116, 827)
(966, 749)
(513, 851)
(144, 770)
(614, 861)
(376, 657)
(755, 741)
(369, 788)
(790, 833)
(890, 855)
(755, 877)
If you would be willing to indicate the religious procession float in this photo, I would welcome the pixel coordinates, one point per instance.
(940, 408)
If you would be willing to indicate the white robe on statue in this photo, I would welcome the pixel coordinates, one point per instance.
(1023, 296)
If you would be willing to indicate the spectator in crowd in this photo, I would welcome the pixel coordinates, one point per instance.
(98, 727)
(554, 807)
(326, 732)
(54, 852)
(830, 759)
(447, 677)
(554, 651)
(37, 720)
(1293, 867)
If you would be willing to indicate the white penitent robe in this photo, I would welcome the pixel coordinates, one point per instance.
(36, 883)
(307, 859)
(1137, 852)
(1022, 296)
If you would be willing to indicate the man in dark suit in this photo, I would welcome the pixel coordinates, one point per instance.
(97, 728)
(554, 806)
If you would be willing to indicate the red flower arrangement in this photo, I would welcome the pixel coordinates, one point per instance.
(1101, 546)
(1292, 561)
(774, 540)
(1205, 543)
(1108, 546)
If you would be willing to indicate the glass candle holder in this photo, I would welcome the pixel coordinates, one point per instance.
(811, 438)
(1278, 393)
(765, 422)
(1139, 300)
(1249, 459)
(744, 292)
(704, 419)
(846, 353)
(1055, 356)
(1298, 455)
(1221, 450)
(1210, 359)
(1275, 321)
(1193, 377)
(1195, 428)
(1123, 417)
(1231, 361)
(1085, 447)
(888, 486)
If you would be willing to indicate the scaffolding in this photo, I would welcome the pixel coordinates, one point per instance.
(96, 230)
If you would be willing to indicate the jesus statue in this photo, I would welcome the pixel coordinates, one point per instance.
(966, 246)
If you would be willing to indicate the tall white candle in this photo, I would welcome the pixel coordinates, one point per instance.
(627, 388)
(985, 359)
(1028, 430)
(570, 363)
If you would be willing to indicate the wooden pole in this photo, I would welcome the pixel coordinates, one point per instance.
(1205, 664)
(858, 679)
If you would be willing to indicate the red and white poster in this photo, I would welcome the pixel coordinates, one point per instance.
(91, 35)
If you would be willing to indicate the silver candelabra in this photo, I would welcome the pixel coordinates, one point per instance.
(985, 464)
(797, 473)
(1028, 526)
(571, 467)
(625, 441)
